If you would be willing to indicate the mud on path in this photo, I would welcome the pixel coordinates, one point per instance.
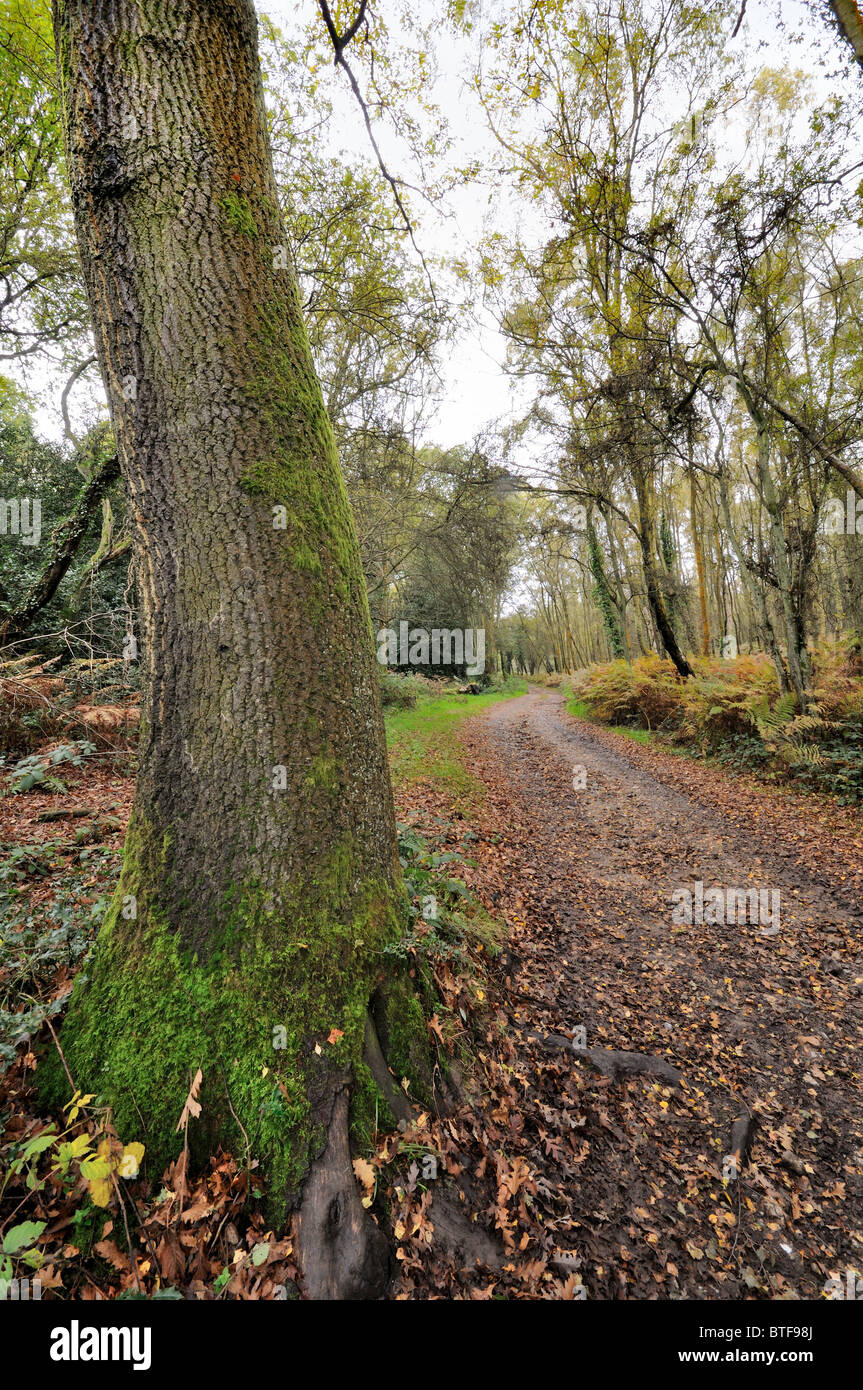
(766, 1024)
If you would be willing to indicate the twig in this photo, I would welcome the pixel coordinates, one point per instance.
(132, 1255)
(62, 1058)
(237, 1119)
(340, 43)
(740, 18)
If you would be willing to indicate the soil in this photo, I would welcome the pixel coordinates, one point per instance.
(744, 1180)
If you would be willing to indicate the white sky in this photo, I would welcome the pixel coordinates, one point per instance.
(477, 389)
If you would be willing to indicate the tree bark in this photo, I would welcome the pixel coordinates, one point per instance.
(64, 547)
(850, 21)
(755, 588)
(259, 886)
(647, 543)
(794, 639)
(699, 563)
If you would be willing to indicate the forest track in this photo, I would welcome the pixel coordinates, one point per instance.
(762, 1023)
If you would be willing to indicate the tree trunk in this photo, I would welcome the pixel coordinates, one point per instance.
(699, 563)
(65, 543)
(618, 585)
(647, 542)
(259, 886)
(755, 589)
(850, 21)
(794, 640)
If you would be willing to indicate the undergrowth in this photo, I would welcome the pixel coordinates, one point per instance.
(733, 711)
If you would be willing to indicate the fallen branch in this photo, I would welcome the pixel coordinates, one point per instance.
(742, 1134)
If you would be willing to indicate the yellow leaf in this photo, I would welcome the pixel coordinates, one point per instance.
(100, 1192)
(95, 1168)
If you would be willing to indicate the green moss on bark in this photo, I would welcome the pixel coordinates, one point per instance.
(302, 471)
(237, 214)
(149, 1013)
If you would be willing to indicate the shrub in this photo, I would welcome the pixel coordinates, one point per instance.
(726, 699)
(646, 693)
(28, 713)
(500, 684)
(401, 692)
(734, 710)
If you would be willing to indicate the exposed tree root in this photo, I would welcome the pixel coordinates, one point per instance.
(341, 1252)
(615, 1065)
(376, 1062)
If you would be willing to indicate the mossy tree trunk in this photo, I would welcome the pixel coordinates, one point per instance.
(698, 551)
(65, 543)
(260, 885)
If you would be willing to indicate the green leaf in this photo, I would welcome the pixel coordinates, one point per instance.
(21, 1236)
(38, 1145)
(260, 1252)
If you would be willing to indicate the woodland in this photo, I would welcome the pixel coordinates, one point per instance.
(431, 650)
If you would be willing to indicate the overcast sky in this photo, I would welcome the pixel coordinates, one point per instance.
(478, 390)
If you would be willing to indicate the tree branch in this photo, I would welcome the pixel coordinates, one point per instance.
(340, 43)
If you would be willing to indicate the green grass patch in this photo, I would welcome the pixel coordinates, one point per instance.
(581, 710)
(424, 745)
(577, 708)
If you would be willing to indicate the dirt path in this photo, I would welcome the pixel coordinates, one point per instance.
(762, 1018)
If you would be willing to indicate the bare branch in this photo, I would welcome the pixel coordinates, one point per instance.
(340, 43)
(64, 400)
(740, 19)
